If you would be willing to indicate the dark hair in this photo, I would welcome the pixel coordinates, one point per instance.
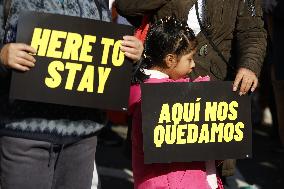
(168, 36)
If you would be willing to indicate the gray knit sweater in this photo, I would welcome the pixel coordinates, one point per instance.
(39, 121)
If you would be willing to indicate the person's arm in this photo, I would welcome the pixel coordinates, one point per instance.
(17, 56)
(3, 69)
(268, 8)
(269, 26)
(133, 8)
(251, 45)
(13, 55)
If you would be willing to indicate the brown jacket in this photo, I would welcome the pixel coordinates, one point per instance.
(235, 27)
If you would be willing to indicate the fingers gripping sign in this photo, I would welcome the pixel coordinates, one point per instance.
(132, 47)
(18, 56)
(245, 80)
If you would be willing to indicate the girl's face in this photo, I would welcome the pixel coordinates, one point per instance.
(182, 66)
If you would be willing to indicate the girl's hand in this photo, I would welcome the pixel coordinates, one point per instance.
(16, 56)
(132, 47)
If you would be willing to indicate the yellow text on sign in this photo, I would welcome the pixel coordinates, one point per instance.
(87, 81)
(184, 130)
(48, 43)
(77, 48)
(192, 133)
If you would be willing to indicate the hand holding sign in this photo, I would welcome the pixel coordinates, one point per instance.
(17, 56)
(246, 80)
(185, 122)
(79, 62)
(132, 47)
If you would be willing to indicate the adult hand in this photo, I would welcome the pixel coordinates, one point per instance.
(246, 79)
(16, 56)
(132, 47)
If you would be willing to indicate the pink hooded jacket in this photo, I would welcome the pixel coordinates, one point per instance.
(161, 176)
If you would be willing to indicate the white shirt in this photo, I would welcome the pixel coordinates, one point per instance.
(192, 20)
(155, 74)
(110, 3)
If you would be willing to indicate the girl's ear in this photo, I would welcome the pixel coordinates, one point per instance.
(171, 60)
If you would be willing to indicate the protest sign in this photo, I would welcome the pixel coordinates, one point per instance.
(78, 62)
(184, 122)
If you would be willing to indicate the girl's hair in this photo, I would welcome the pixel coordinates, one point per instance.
(168, 36)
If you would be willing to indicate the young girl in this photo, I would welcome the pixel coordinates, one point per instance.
(169, 49)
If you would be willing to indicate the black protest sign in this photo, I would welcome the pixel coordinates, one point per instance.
(184, 122)
(78, 62)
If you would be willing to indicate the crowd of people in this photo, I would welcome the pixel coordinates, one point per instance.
(174, 41)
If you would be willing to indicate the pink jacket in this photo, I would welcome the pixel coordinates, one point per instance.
(161, 176)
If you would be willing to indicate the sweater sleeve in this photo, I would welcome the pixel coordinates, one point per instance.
(250, 36)
(2, 31)
(3, 69)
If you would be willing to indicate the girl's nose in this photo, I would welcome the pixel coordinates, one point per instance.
(192, 64)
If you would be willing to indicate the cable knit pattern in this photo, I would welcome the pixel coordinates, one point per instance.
(79, 128)
(38, 120)
(84, 9)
